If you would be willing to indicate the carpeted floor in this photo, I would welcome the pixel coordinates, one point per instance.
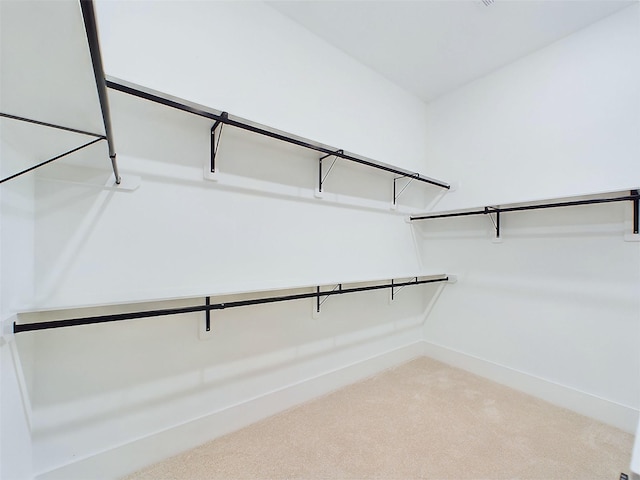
(421, 420)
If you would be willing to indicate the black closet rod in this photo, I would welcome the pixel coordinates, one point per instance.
(488, 210)
(223, 118)
(71, 322)
(91, 28)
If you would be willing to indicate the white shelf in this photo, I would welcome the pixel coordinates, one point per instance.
(533, 200)
(247, 288)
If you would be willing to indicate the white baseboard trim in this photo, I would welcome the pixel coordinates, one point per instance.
(156, 447)
(620, 416)
(124, 459)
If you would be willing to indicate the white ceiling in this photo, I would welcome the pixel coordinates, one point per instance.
(433, 47)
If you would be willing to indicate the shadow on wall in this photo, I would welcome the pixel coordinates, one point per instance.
(79, 200)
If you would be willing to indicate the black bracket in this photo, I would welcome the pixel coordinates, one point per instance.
(636, 202)
(411, 179)
(207, 314)
(322, 178)
(394, 292)
(496, 222)
(224, 116)
(326, 296)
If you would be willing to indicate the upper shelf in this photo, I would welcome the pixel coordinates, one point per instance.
(47, 72)
(57, 41)
(223, 118)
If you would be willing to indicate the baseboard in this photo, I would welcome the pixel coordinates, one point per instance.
(124, 459)
(620, 416)
(141, 452)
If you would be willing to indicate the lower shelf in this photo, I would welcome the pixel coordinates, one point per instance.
(319, 294)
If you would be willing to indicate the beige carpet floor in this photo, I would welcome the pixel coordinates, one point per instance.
(421, 420)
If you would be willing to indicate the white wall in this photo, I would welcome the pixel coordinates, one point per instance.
(248, 59)
(558, 300)
(139, 386)
(561, 121)
(110, 398)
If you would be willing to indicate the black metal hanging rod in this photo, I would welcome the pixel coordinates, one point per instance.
(88, 14)
(488, 210)
(223, 118)
(207, 307)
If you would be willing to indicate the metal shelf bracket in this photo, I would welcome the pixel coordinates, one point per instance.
(321, 178)
(319, 302)
(207, 314)
(395, 290)
(496, 222)
(636, 201)
(216, 143)
(397, 195)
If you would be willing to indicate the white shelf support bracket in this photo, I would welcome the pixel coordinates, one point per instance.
(207, 325)
(321, 177)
